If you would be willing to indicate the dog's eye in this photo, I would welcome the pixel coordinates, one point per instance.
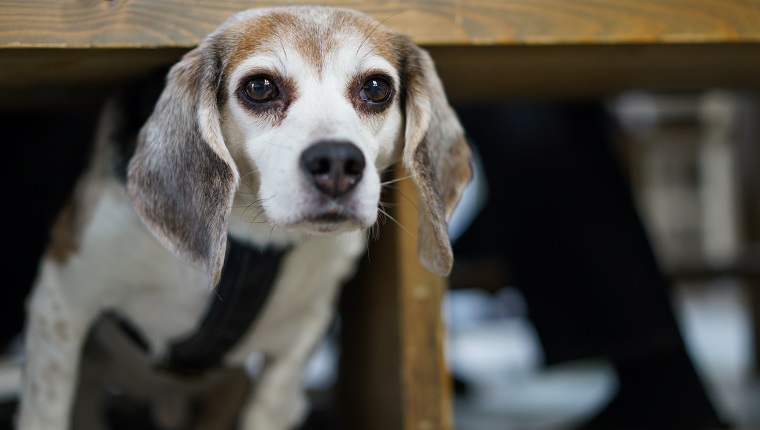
(376, 90)
(261, 89)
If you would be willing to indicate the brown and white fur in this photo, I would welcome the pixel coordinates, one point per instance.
(210, 162)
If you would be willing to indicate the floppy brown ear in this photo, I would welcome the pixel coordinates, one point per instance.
(437, 155)
(181, 178)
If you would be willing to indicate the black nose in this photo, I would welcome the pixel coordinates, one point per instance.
(334, 167)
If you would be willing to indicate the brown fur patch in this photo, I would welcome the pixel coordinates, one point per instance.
(243, 40)
(299, 29)
(65, 236)
(61, 330)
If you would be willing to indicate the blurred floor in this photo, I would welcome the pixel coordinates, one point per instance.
(497, 353)
(493, 347)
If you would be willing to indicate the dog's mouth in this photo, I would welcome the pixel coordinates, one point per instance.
(331, 220)
(330, 217)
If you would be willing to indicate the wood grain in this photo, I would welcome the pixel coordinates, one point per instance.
(56, 53)
(393, 372)
(157, 23)
(426, 390)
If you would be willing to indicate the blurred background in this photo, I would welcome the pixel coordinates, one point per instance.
(692, 164)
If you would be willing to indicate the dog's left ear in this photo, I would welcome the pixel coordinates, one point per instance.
(182, 179)
(436, 153)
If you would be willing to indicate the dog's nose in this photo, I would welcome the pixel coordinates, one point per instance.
(334, 167)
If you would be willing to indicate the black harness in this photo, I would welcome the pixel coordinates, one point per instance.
(246, 282)
(247, 279)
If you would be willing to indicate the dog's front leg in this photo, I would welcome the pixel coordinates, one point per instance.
(278, 401)
(55, 332)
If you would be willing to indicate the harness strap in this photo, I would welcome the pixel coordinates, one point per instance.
(247, 279)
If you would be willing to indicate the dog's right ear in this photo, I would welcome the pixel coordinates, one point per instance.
(181, 178)
(436, 152)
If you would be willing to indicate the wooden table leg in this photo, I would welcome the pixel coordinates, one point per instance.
(393, 373)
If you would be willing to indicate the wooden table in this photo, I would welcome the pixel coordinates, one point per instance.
(485, 50)
(64, 53)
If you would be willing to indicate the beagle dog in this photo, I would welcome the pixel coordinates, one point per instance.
(273, 132)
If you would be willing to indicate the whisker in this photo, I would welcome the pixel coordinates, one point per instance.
(367, 238)
(374, 233)
(282, 45)
(259, 212)
(396, 221)
(271, 232)
(393, 181)
(375, 229)
(391, 168)
(257, 204)
(388, 169)
(381, 44)
(404, 196)
(373, 30)
(388, 204)
(252, 172)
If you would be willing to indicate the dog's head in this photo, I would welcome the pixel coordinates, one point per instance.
(300, 109)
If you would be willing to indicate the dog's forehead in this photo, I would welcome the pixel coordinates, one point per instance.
(314, 32)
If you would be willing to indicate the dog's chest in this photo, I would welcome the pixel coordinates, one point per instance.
(122, 267)
(166, 299)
